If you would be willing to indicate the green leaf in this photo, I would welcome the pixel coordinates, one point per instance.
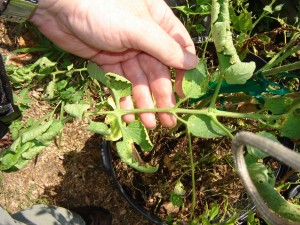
(10, 158)
(258, 153)
(176, 199)
(204, 127)
(259, 173)
(129, 155)
(98, 128)
(179, 188)
(195, 81)
(76, 110)
(278, 105)
(243, 22)
(115, 130)
(186, 10)
(120, 86)
(214, 211)
(50, 90)
(96, 72)
(137, 133)
(291, 127)
(29, 154)
(35, 132)
(239, 72)
(47, 137)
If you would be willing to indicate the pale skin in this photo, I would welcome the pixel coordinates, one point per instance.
(138, 39)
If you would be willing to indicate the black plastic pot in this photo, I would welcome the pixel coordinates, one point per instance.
(107, 162)
(105, 152)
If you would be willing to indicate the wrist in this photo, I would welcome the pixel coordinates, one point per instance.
(17, 10)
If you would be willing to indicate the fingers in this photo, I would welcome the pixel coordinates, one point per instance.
(152, 39)
(140, 90)
(105, 57)
(178, 82)
(126, 102)
(159, 79)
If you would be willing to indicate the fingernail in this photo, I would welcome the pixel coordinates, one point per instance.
(190, 60)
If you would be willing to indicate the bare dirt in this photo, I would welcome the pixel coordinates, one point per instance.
(68, 173)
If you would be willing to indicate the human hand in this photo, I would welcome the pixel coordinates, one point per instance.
(139, 40)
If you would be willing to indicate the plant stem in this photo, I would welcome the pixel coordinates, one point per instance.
(208, 112)
(262, 15)
(71, 71)
(216, 93)
(275, 59)
(289, 67)
(221, 126)
(193, 174)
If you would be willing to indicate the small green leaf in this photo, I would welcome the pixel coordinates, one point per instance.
(278, 105)
(98, 128)
(96, 72)
(50, 90)
(76, 110)
(214, 211)
(179, 188)
(203, 126)
(239, 72)
(176, 199)
(195, 81)
(115, 130)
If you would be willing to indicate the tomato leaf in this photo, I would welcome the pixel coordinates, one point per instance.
(204, 127)
(76, 110)
(195, 81)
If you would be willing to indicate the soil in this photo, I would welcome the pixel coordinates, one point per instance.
(67, 174)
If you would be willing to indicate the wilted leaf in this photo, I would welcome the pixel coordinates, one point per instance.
(240, 72)
(126, 150)
(137, 133)
(35, 132)
(115, 130)
(99, 128)
(76, 110)
(47, 137)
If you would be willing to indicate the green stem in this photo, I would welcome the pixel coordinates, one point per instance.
(193, 174)
(262, 15)
(71, 71)
(221, 126)
(208, 112)
(274, 59)
(216, 93)
(289, 67)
